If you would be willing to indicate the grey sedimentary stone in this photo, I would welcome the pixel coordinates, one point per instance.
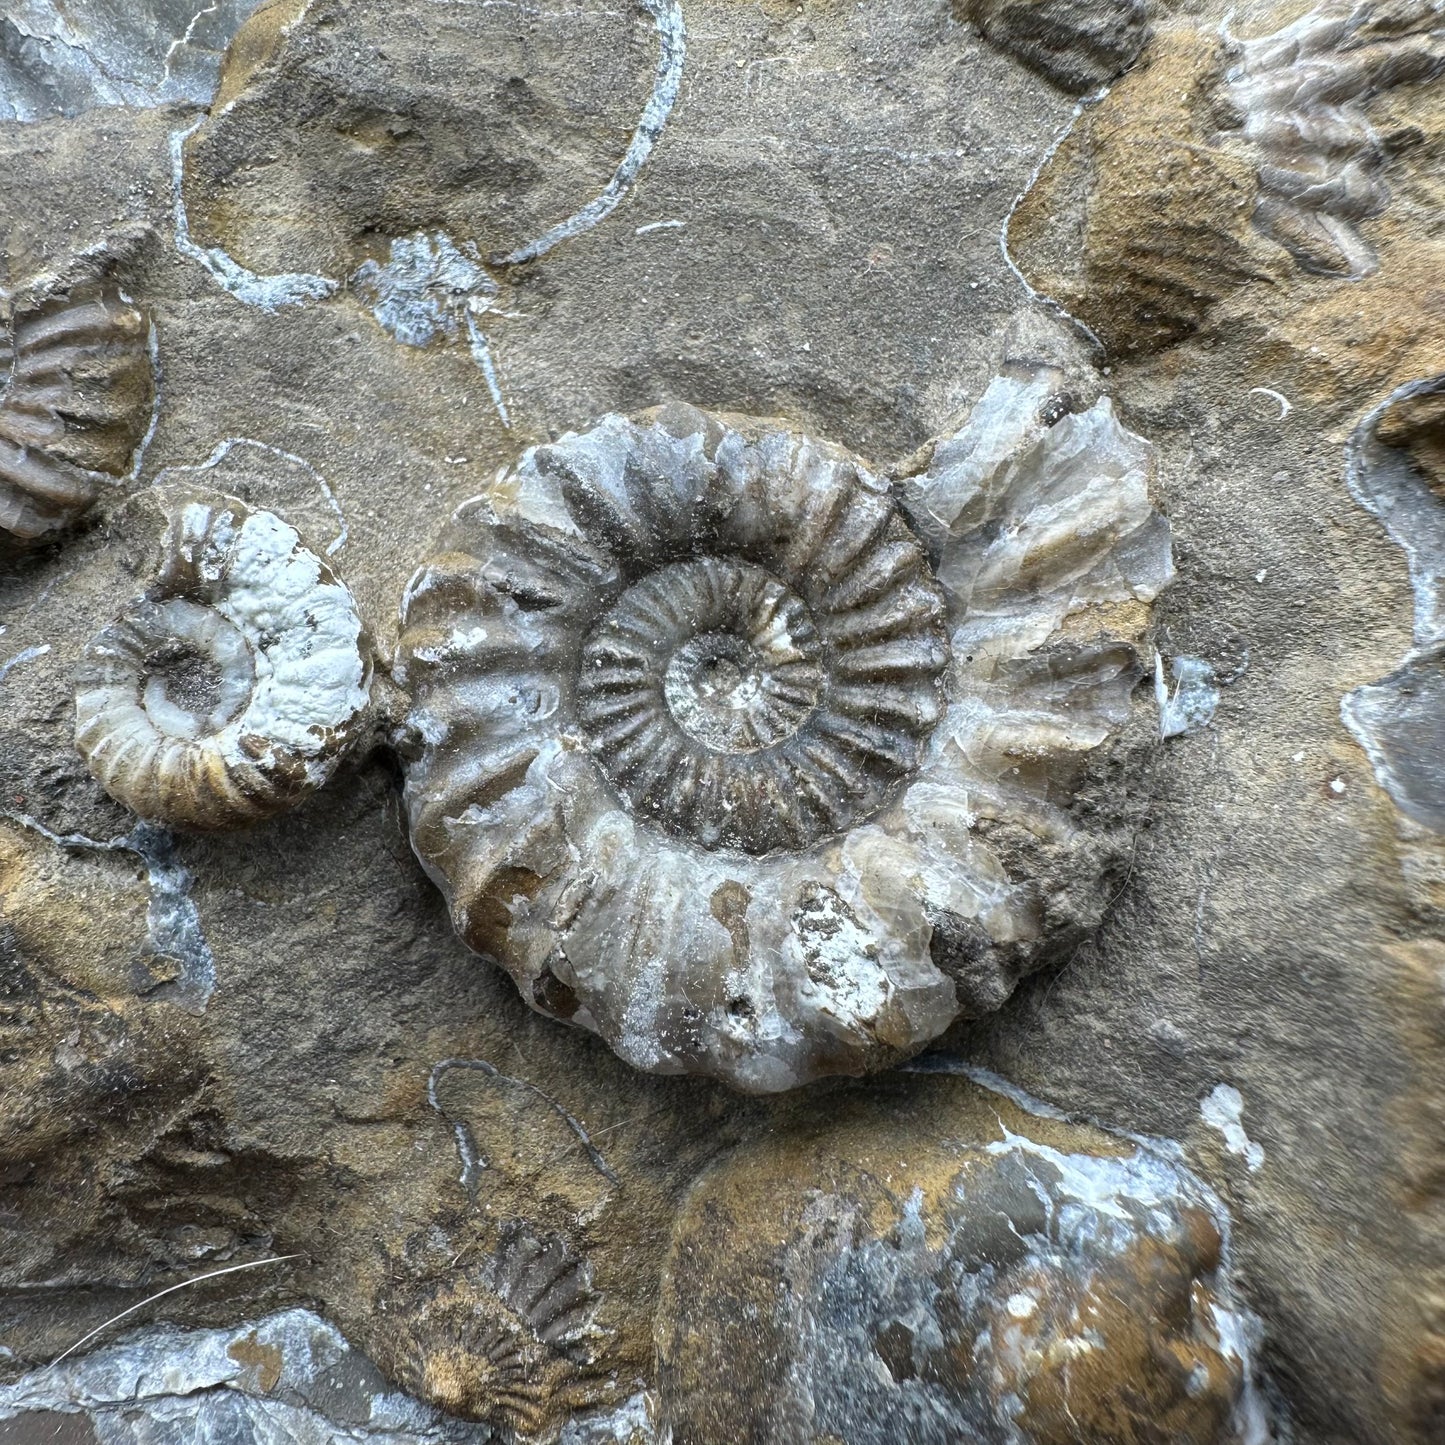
(220, 1048)
(64, 58)
(288, 1376)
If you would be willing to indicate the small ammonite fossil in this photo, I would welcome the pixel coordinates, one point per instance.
(730, 757)
(512, 1343)
(76, 386)
(235, 686)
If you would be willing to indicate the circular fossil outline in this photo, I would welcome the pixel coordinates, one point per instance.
(724, 708)
(850, 953)
(236, 685)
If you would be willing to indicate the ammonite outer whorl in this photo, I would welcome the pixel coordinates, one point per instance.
(76, 387)
(235, 686)
(729, 759)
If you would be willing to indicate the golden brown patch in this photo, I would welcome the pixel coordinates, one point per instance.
(1412, 1352)
(266, 1360)
(253, 45)
(729, 905)
(1165, 214)
(490, 914)
(1118, 1361)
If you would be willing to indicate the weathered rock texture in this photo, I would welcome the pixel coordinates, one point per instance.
(1076, 44)
(402, 245)
(1022, 1280)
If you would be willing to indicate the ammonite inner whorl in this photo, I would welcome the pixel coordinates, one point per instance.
(709, 746)
(724, 707)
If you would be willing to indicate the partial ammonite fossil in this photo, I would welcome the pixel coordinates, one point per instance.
(732, 758)
(76, 386)
(235, 686)
(1004, 1278)
(510, 1343)
(1077, 44)
(1297, 97)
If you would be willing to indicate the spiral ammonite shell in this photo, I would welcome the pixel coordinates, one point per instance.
(727, 709)
(235, 686)
(75, 399)
(711, 732)
(513, 1343)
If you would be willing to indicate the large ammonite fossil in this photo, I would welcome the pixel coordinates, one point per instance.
(236, 685)
(730, 757)
(76, 387)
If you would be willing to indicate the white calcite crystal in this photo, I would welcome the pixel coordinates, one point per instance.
(426, 289)
(758, 770)
(235, 686)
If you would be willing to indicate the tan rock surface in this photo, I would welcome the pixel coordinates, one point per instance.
(220, 1051)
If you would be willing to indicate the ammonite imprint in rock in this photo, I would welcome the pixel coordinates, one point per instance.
(697, 760)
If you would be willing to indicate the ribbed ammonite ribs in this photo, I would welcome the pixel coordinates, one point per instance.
(235, 686)
(714, 754)
(75, 397)
(764, 695)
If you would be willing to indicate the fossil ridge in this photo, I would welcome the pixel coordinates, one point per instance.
(1076, 44)
(1298, 98)
(75, 401)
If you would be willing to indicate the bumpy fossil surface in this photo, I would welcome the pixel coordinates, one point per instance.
(1077, 44)
(1297, 97)
(1023, 1282)
(75, 401)
(1138, 225)
(271, 1048)
(722, 760)
(234, 687)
